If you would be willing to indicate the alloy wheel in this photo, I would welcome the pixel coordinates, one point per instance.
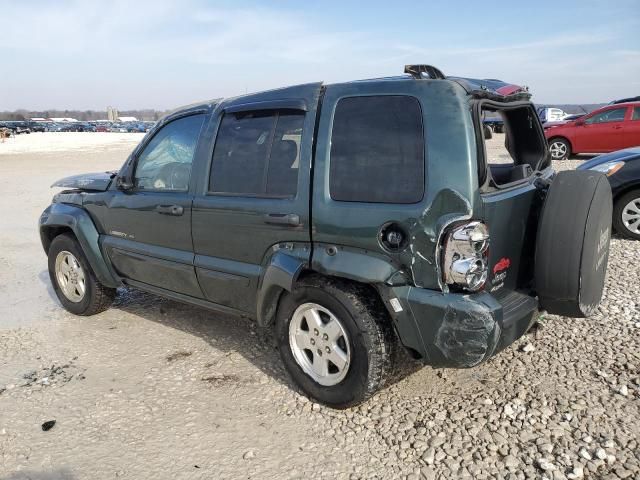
(319, 344)
(631, 216)
(558, 150)
(70, 276)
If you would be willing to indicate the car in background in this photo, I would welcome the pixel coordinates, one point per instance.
(36, 126)
(54, 127)
(102, 127)
(78, 127)
(610, 128)
(118, 127)
(569, 118)
(16, 127)
(622, 169)
(551, 114)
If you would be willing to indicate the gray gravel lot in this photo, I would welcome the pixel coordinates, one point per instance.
(157, 389)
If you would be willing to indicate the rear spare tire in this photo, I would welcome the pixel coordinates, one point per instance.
(572, 247)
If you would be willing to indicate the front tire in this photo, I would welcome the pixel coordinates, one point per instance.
(560, 148)
(335, 339)
(73, 280)
(626, 215)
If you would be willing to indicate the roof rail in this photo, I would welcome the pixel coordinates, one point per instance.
(416, 71)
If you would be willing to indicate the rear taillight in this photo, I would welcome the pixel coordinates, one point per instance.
(466, 250)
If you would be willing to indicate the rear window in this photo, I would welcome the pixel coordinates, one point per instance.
(377, 150)
(257, 154)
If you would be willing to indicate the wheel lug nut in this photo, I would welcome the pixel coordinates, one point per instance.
(325, 337)
(316, 332)
(313, 342)
(328, 350)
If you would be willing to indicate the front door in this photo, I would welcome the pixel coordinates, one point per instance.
(254, 196)
(148, 228)
(602, 132)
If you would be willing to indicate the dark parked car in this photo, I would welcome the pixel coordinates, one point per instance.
(36, 126)
(17, 127)
(352, 218)
(607, 129)
(622, 168)
(77, 127)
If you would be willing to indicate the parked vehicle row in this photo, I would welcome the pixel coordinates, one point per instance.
(20, 127)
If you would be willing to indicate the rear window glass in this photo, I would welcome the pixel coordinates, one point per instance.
(377, 150)
(257, 154)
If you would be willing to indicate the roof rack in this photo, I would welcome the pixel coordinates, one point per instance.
(416, 71)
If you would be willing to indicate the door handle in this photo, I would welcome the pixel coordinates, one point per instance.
(617, 127)
(175, 210)
(290, 219)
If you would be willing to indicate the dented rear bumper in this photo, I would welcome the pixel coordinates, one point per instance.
(460, 330)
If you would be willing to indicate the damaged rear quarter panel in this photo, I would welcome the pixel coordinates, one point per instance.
(451, 189)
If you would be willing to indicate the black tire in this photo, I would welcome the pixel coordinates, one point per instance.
(572, 248)
(562, 149)
(618, 210)
(97, 298)
(371, 338)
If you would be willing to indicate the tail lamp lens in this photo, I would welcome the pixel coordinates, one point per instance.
(466, 249)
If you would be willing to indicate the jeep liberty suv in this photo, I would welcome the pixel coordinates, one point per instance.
(351, 218)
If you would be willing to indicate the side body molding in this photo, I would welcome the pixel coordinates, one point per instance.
(78, 220)
(280, 274)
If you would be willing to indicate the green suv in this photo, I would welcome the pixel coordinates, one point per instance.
(351, 218)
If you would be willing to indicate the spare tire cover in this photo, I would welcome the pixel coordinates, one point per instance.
(572, 247)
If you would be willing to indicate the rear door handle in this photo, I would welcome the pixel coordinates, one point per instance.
(290, 219)
(175, 210)
(617, 127)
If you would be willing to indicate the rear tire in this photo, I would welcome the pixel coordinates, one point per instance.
(368, 341)
(560, 148)
(626, 215)
(73, 280)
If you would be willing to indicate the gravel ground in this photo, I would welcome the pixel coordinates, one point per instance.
(156, 389)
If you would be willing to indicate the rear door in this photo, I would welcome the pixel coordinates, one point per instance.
(253, 197)
(602, 132)
(632, 128)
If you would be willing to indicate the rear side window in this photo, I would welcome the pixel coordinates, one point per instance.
(257, 154)
(377, 150)
(636, 113)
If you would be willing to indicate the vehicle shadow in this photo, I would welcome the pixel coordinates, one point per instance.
(58, 474)
(229, 334)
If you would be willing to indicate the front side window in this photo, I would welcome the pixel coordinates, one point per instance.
(636, 113)
(377, 150)
(257, 154)
(165, 163)
(613, 115)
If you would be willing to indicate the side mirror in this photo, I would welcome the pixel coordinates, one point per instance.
(123, 183)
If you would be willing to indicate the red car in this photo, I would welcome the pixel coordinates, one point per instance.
(607, 129)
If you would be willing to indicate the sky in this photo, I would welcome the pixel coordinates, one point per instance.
(161, 54)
